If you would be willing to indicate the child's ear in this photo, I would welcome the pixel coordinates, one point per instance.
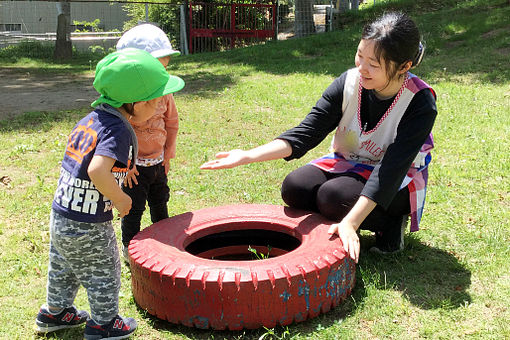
(143, 102)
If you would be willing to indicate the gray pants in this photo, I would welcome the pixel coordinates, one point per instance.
(86, 254)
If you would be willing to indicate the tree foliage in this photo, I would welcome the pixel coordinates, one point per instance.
(164, 14)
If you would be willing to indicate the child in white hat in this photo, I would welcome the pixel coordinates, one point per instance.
(147, 181)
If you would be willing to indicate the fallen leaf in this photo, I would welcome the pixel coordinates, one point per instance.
(5, 180)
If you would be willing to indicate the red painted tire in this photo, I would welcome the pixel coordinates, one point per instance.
(175, 277)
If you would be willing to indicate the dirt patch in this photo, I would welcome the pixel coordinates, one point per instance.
(504, 51)
(22, 91)
(452, 44)
(496, 32)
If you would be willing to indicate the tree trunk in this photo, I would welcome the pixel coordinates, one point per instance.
(63, 45)
(304, 24)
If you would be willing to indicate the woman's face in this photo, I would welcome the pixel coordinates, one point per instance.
(373, 72)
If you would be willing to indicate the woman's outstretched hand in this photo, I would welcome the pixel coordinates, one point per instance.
(348, 236)
(275, 149)
(226, 160)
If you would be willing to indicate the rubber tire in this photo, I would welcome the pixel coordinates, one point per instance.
(174, 285)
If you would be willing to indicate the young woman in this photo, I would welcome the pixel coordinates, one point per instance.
(383, 115)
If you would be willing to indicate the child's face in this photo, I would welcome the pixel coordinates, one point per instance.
(145, 110)
(164, 60)
(373, 72)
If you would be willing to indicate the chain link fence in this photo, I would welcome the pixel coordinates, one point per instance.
(98, 24)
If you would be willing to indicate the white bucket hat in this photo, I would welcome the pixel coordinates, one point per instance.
(150, 38)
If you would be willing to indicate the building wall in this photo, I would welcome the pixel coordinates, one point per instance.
(41, 16)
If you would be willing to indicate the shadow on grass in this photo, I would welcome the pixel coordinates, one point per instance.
(206, 84)
(207, 334)
(65, 334)
(430, 278)
(37, 121)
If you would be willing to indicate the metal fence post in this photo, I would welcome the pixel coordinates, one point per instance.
(183, 30)
(277, 22)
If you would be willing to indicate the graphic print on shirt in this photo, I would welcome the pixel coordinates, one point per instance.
(372, 148)
(82, 141)
(77, 194)
(81, 195)
(348, 143)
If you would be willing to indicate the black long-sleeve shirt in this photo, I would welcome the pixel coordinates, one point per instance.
(413, 129)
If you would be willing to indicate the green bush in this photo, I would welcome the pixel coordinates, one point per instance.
(44, 52)
(28, 49)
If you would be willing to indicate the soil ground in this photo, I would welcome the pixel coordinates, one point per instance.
(22, 91)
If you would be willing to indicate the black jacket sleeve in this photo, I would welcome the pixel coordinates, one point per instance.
(413, 129)
(322, 119)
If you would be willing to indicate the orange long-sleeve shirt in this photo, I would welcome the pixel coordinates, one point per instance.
(157, 136)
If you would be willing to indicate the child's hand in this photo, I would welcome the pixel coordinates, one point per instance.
(166, 164)
(225, 160)
(123, 205)
(131, 177)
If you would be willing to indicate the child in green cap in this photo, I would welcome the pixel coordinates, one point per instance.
(98, 155)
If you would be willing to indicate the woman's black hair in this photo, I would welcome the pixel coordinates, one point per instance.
(397, 41)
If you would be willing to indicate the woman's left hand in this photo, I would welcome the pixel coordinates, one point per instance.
(350, 240)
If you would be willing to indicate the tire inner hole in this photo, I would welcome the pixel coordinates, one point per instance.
(243, 245)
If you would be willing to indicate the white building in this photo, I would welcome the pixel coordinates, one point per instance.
(41, 16)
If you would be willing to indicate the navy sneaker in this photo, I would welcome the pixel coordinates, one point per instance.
(67, 318)
(392, 241)
(118, 328)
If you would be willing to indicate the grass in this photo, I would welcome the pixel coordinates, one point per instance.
(451, 282)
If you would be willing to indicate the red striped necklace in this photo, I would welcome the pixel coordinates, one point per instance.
(399, 93)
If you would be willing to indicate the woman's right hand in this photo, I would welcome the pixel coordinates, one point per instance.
(226, 160)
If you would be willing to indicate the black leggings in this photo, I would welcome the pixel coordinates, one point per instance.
(333, 196)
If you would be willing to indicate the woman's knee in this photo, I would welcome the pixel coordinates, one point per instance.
(299, 188)
(336, 197)
(293, 192)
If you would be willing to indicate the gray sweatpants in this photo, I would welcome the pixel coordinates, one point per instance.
(87, 254)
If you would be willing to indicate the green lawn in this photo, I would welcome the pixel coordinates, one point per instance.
(453, 279)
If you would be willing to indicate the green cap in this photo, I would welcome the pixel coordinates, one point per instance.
(132, 75)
